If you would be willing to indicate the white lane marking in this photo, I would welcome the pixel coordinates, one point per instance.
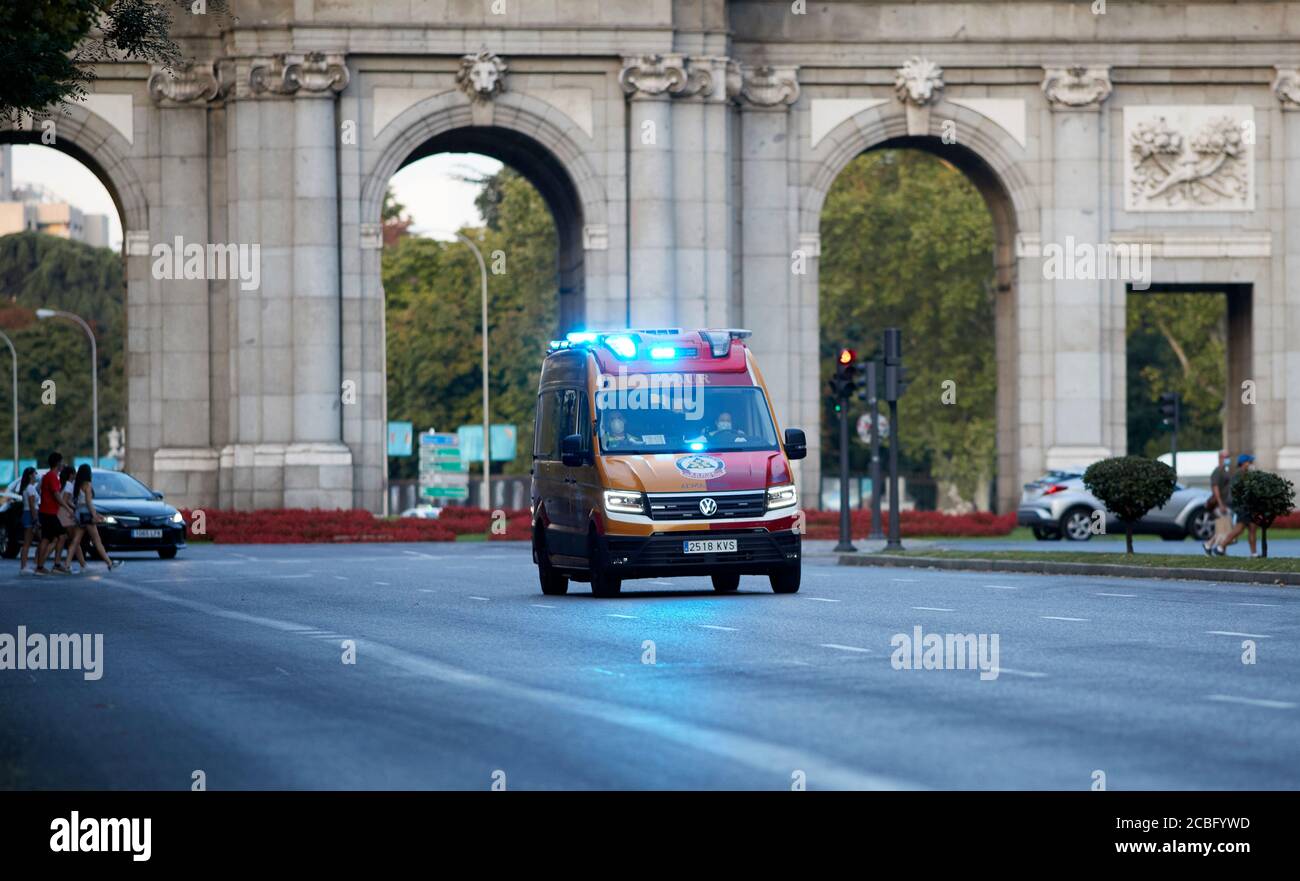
(1235, 633)
(534, 605)
(614, 615)
(1025, 673)
(427, 590)
(423, 556)
(765, 757)
(1251, 701)
(931, 609)
(183, 580)
(299, 575)
(243, 556)
(603, 670)
(1002, 587)
(1265, 605)
(340, 578)
(382, 583)
(1060, 618)
(843, 648)
(821, 600)
(667, 583)
(716, 627)
(905, 580)
(282, 670)
(1125, 595)
(480, 599)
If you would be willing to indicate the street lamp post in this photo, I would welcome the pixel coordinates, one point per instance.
(487, 465)
(13, 352)
(94, 371)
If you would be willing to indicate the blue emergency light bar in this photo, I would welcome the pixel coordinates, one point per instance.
(626, 344)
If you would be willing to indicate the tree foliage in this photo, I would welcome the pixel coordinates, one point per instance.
(36, 271)
(907, 241)
(1177, 342)
(48, 47)
(1129, 487)
(433, 317)
(1261, 497)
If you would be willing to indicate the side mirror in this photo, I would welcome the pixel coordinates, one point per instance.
(796, 445)
(157, 495)
(571, 450)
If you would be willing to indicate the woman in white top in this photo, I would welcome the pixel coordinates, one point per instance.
(83, 498)
(68, 520)
(31, 501)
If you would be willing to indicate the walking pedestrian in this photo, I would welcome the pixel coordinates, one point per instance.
(1221, 489)
(52, 533)
(83, 498)
(30, 500)
(67, 519)
(1241, 524)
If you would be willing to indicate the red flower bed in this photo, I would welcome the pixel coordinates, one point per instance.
(826, 524)
(301, 526)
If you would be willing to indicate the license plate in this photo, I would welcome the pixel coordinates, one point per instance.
(146, 533)
(710, 546)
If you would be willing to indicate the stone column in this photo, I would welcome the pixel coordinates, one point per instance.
(184, 461)
(776, 305)
(1077, 360)
(649, 81)
(1286, 86)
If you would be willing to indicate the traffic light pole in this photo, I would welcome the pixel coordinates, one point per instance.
(895, 542)
(845, 545)
(1173, 439)
(874, 401)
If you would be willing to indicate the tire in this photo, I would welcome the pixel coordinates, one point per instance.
(785, 580)
(1043, 534)
(1076, 523)
(1200, 525)
(167, 553)
(554, 584)
(726, 583)
(603, 584)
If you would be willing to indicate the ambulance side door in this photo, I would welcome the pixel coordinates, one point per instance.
(553, 492)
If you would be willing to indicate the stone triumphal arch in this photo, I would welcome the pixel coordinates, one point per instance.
(685, 148)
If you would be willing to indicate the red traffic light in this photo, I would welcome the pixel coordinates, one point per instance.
(848, 356)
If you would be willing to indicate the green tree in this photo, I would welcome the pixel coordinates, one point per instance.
(433, 317)
(907, 241)
(1177, 342)
(1261, 497)
(36, 271)
(1129, 487)
(48, 48)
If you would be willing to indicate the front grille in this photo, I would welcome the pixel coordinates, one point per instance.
(758, 547)
(686, 506)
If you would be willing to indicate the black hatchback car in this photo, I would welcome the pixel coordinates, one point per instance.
(135, 517)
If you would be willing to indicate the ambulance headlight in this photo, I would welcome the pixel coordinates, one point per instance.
(618, 501)
(781, 496)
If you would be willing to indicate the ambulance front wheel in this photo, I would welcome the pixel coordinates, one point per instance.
(785, 580)
(603, 584)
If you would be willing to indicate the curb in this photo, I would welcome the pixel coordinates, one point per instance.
(1046, 567)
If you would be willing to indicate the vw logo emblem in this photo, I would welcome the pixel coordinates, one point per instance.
(708, 507)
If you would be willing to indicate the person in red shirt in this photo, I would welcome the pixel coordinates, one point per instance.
(53, 535)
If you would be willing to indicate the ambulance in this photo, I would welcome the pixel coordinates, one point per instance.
(657, 453)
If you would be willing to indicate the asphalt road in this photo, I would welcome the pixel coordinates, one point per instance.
(229, 661)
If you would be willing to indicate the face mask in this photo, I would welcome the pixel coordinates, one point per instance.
(724, 426)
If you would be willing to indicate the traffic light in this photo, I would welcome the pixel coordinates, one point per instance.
(896, 380)
(1170, 404)
(842, 380)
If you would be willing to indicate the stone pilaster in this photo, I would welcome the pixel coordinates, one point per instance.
(1080, 355)
(1286, 86)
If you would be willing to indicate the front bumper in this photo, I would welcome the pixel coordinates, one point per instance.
(758, 552)
(122, 538)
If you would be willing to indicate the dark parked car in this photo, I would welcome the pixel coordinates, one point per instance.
(135, 518)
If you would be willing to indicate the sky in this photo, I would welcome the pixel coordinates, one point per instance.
(435, 199)
(68, 179)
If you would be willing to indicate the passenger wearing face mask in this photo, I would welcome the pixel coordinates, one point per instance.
(616, 432)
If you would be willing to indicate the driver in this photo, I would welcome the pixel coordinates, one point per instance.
(723, 429)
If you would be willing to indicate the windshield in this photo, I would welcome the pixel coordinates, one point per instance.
(716, 419)
(116, 485)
